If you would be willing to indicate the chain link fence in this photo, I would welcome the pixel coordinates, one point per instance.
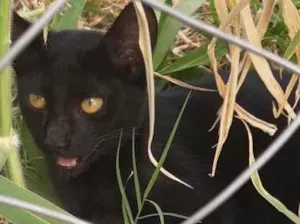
(29, 35)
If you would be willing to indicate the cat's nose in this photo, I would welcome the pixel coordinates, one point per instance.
(56, 144)
(58, 136)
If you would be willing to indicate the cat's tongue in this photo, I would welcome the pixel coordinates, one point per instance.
(68, 163)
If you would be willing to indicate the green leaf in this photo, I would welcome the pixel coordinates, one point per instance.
(19, 216)
(35, 169)
(213, 11)
(93, 7)
(197, 57)
(163, 16)
(69, 20)
(292, 46)
(170, 27)
(16, 215)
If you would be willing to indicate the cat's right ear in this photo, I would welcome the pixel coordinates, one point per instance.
(31, 52)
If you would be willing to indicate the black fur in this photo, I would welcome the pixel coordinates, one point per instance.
(73, 65)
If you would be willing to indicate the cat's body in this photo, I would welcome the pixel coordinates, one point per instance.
(76, 65)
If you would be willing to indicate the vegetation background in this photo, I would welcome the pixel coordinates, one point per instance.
(181, 54)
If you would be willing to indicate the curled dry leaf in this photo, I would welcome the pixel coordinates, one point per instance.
(288, 91)
(145, 46)
(256, 122)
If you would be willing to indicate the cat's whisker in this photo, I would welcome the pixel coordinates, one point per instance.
(101, 140)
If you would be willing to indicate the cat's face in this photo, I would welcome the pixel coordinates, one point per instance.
(77, 91)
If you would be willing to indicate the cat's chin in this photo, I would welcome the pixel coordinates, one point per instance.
(71, 172)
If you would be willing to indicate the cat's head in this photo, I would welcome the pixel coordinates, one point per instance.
(80, 88)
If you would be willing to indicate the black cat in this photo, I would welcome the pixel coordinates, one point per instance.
(80, 89)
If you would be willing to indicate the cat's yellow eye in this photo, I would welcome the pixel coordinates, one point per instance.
(91, 105)
(36, 101)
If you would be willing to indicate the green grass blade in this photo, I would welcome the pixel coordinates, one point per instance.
(69, 20)
(197, 57)
(135, 174)
(8, 188)
(165, 151)
(159, 211)
(165, 214)
(124, 212)
(169, 28)
(120, 183)
(163, 157)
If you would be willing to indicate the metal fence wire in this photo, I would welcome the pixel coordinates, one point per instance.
(29, 35)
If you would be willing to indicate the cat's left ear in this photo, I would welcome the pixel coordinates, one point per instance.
(30, 54)
(121, 42)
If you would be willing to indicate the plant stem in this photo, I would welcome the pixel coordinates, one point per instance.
(8, 146)
(5, 80)
(14, 165)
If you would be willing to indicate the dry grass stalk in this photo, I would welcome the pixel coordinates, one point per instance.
(182, 84)
(291, 19)
(227, 116)
(262, 26)
(145, 46)
(227, 111)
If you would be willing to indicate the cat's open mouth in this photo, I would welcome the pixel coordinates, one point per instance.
(68, 163)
